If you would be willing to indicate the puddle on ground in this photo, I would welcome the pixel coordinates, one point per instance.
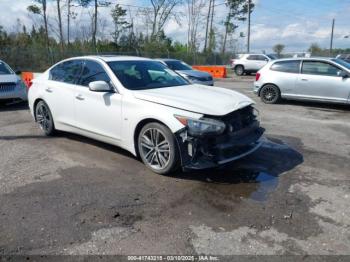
(253, 177)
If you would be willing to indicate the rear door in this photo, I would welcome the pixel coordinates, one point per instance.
(59, 91)
(97, 112)
(321, 80)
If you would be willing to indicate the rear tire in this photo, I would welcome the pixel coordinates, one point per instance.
(239, 70)
(44, 118)
(158, 148)
(270, 94)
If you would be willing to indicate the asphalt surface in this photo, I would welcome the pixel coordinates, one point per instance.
(73, 195)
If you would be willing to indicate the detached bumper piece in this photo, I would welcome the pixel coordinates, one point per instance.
(241, 137)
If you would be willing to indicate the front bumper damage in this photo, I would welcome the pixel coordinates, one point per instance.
(213, 151)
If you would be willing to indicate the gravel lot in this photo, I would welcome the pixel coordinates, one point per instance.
(73, 195)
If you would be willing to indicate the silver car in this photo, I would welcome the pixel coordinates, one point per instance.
(313, 79)
(11, 86)
(186, 71)
(250, 63)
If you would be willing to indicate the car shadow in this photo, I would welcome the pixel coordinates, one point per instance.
(13, 106)
(272, 159)
(328, 107)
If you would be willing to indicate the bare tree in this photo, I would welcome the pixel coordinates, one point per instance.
(207, 25)
(42, 10)
(162, 11)
(59, 15)
(194, 17)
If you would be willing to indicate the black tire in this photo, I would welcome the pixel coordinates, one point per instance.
(158, 149)
(239, 70)
(44, 118)
(270, 94)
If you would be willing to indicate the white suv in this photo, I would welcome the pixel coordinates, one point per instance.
(146, 108)
(250, 63)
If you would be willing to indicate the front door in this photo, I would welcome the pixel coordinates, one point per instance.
(320, 80)
(99, 113)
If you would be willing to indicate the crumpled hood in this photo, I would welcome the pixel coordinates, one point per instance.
(196, 98)
(8, 79)
(194, 73)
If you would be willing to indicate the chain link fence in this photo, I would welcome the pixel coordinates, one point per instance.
(38, 60)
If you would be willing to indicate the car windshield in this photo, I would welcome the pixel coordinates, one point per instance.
(178, 65)
(342, 62)
(273, 57)
(4, 69)
(140, 75)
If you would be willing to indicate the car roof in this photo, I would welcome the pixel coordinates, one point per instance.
(112, 58)
(305, 58)
(167, 59)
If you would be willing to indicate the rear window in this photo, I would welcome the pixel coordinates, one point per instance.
(5, 69)
(286, 66)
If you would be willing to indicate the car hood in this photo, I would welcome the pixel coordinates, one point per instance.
(194, 73)
(8, 79)
(196, 98)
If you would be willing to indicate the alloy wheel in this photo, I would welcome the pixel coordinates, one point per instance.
(155, 148)
(269, 93)
(43, 117)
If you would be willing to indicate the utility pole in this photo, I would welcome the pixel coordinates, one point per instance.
(332, 34)
(248, 34)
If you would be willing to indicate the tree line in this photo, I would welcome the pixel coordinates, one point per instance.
(57, 33)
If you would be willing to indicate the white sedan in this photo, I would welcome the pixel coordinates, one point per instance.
(146, 108)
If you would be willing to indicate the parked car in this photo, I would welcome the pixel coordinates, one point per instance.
(250, 63)
(313, 79)
(186, 71)
(11, 86)
(345, 57)
(144, 107)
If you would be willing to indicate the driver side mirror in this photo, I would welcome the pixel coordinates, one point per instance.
(343, 74)
(100, 86)
(18, 72)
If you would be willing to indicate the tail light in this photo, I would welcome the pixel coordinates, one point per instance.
(232, 61)
(30, 83)
(257, 76)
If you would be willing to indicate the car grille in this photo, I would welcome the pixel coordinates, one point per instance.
(238, 120)
(7, 87)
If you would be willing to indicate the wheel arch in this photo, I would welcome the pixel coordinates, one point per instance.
(138, 128)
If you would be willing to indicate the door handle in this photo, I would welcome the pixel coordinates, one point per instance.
(79, 97)
(304, 79)
(49, 90)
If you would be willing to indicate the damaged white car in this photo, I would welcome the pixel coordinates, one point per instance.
(146, 108)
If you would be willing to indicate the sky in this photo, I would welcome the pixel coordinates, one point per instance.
(294, 23)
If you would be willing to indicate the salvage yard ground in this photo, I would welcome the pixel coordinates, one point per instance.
(73, 195)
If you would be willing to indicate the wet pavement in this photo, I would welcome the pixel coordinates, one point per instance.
(73, 195)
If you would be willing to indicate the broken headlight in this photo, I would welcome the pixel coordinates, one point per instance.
(202, 126)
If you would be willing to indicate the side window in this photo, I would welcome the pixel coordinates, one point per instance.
(261, 58)
(252, 57)
(320, 68)
(67, 72)
(93, 71)
(286, 66)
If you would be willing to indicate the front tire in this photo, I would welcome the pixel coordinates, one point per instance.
(44, 118)
(239, 70)
(158, 149)
(270, 94)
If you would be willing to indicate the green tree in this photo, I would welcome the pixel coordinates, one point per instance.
(315, 49)
(238, 9)
(120, 24)
(278, 49)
